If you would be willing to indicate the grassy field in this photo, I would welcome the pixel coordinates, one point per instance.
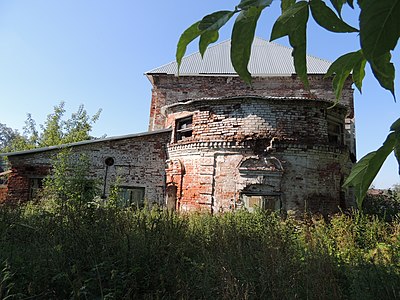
(98, 252)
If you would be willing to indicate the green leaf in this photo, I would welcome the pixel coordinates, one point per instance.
(338, 4)
(286, 4)
(395, 126)
(350, 3)
(293, 23)
(206, 39)
(397, 153)
(209, 27)
(327, 19)
(379, 27)
(288, 21)
(215, 20)
(341, 69)
(246, 4)
(384, 71)
(364, 171)
(359, 73)
(242, 37)
(187, 36)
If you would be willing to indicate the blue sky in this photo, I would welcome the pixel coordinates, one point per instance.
(94, 52)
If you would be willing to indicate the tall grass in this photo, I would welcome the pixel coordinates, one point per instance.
(102, 252)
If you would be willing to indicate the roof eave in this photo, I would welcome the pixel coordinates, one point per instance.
(87, 142)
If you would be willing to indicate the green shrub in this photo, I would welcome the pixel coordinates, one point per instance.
(111, 253)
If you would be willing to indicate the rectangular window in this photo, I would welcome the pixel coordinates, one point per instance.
(251, 202)
(183, 128)
(35, 186)
(335, 132)
(132, 196)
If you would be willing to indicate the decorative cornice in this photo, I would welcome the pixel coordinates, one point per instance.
(244, 145)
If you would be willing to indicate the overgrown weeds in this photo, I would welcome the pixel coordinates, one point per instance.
(101, 252)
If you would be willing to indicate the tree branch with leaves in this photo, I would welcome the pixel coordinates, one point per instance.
(378, 34)
(55, 130)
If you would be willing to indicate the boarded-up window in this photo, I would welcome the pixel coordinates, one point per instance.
(252, 202)
(171, 197)
(132, 196)
(183, 128)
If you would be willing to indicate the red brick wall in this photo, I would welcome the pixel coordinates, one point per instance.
(3, 193)
(19, 179)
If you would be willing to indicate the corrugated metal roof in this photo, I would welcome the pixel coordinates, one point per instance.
(267, 59)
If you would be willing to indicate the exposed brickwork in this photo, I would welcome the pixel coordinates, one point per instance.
(3, 193)
(213, 179)
(273, 144)
(139, 162)
(22, 173)
(273, 126)
(242, 119)
(169, 89)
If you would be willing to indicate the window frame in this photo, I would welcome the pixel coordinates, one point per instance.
(125, 202)
(333, 136)
(183, 128)
(265, 202)
(33, 188)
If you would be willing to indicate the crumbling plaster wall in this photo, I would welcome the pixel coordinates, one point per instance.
(227, 131)
(310, 179)
(253, 118)
(139, 161)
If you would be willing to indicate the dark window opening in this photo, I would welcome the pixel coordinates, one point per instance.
(183, 128)
(171, 197)
(35, 186)
(131, 196)
(335, 132)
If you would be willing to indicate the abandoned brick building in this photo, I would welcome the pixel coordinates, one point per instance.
(215, 143)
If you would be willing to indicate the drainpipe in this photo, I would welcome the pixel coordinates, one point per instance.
(109, 161)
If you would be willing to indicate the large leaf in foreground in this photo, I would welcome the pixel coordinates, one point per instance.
(338, 4)
(364, 171)
(396, 127)
(379, 27)
(187, 36)
(215, 20)
(327, 19)
(246, 4)
(242, 37)
(342, 68)
(206, 39)
(383, 70)
(293, 23)
(286, 4)
(209, 27)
